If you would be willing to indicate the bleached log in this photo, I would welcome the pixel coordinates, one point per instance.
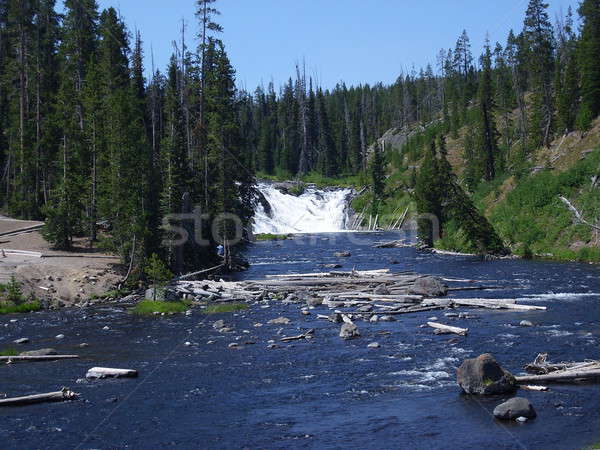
(64, 394)
(105, 372)
(36, 358)
(402, 311)
(577, 214)
(298, 337)
(562, 376)
(448, 328)
(483, 303)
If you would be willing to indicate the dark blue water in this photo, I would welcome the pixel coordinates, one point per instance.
(322, 393)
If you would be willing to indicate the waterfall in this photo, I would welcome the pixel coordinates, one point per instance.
(315, 211)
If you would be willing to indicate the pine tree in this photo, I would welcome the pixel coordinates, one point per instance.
(428, 198)
(487, 127)
(566, 80)
(539, 38)
(377, 178)
(326, 145)
(589, 62)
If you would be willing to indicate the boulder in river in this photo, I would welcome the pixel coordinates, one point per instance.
(484, 376)
(314, 301)
(429, 287)
(332, 266)
(21, 341)
(217, 325)
(526, 323)
(279, 321)
(349, 331)
(336, 318)
(514, 408)
(344, 254)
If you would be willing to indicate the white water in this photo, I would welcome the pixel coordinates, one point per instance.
(315, 211)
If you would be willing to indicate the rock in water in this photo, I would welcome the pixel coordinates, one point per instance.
(279, 321)
(21, 341)
(429, 287)
(484, 376)
(387, 318)
(349, 331)
(526, 323)
(314, 301)
(345, 254)
(336, 318)
(373, 345)
(219, 324)
(514, 408)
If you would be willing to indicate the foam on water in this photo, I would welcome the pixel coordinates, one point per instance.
(315, 211)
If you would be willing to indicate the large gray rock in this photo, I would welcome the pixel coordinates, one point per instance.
(484, 376)
(314, 301)
(344, 254)
(429, 287)
(349, 331)
(513, 408)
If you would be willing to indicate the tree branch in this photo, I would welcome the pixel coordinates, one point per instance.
(577, 214)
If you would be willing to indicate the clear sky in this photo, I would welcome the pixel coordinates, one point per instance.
(358, 41)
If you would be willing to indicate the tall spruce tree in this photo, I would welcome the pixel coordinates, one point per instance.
(487, 128)
(589, 62)
(539, 38)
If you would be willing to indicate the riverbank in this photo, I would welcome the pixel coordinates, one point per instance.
(56, 278)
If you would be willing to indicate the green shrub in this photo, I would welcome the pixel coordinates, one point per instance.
(149, 307)
(225, 308)
(31, 306)
(9, 352)
(270, 237)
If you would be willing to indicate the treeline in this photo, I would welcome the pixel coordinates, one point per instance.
(548, 73)
(89, 145)
(303, 128)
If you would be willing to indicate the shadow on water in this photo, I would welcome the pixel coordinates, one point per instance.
(322, 393)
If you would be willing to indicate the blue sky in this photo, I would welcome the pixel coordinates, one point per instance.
(352, 40)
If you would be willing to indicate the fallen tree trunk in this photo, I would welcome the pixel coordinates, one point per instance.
(36, 358)
(569, 375)
(298, 337)
(64, 394)
(448, 328)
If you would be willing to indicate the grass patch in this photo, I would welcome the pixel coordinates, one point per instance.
(11, 308)
(9, 352)
(149, 307)
(270, 237)
(225, 308)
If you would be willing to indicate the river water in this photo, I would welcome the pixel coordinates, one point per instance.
(322, 393)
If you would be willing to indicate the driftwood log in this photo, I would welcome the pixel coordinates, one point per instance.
(561, 376)
(62, 395)
(448, 329)
(36, 358)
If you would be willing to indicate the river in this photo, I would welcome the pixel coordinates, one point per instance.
(322, 393)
